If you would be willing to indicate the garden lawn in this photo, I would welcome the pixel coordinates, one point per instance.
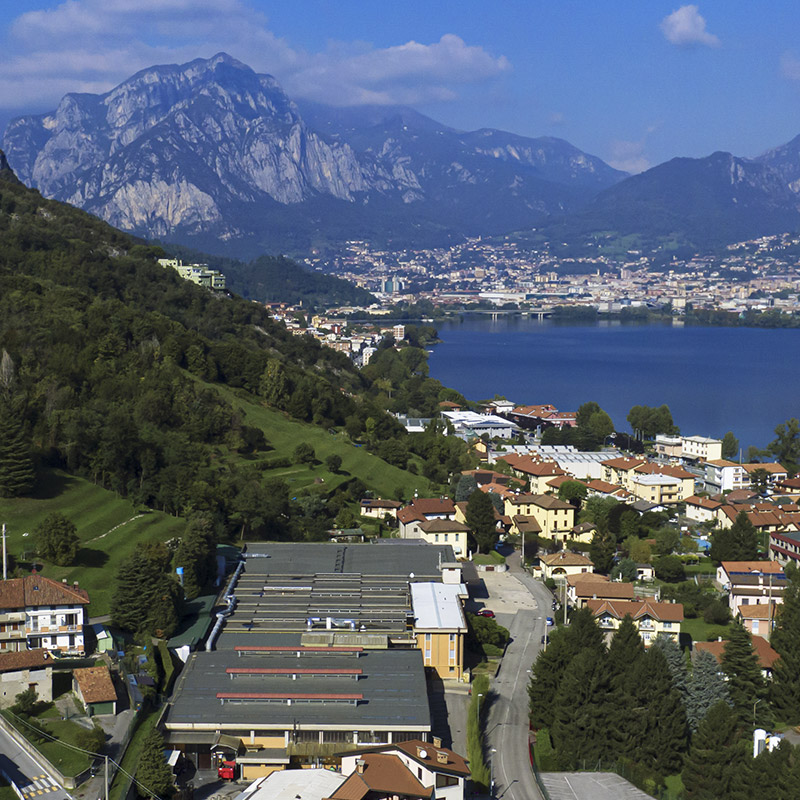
(284, 434)
(702, 631)
(109, 528)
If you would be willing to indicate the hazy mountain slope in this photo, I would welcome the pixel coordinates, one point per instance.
(210, 151)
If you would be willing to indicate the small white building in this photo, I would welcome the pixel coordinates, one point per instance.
(469, 424)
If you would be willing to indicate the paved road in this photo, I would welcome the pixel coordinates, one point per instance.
(507, 724)
(31, 779)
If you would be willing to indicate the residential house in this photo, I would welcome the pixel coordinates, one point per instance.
(600, 488)
(668, 446)
(95, 689)
(701, 448)
(725, 476)
(423, 509)
(789, 487)
(617, 470)
(555, 517)
(784, 546)
(776, 474)
(39, 612)
(766, 655)
(446, 531)
(583, 588)
(583, 532)
(649, 617)
(378, 509)
(701, 509)
(564, 563)
(751, 582)
(440, 626)
(19, 670)
(659, 484)
(412, 770)
(759, 618)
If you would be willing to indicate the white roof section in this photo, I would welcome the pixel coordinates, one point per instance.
(437, 606)
(656, 479)
(290, 784)
(471, 419)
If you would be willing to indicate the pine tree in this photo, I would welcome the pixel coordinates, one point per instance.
(661, 716)
(546, 675)
(706, 688)
(624, 653)
(766, 775)
(746, 684)
(196, 553)
(711, 765)
(17, 475)
(481, 520)
(785, 689)
(676, 663)
(583, 712)
(601, 552)
(584, 633)
(152, 770)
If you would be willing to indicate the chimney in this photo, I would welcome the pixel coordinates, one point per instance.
(360, 765)
(441, 757)
(437, 742)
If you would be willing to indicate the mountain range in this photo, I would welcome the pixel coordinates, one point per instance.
(212, 155)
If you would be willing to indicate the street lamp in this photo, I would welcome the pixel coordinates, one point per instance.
(491, 772)
(754, 711)
(478, 712)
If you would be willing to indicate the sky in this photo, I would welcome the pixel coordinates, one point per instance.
(636, 82)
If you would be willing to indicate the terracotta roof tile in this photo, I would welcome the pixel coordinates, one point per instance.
(24, 659)
(35, 590)
(95, 684)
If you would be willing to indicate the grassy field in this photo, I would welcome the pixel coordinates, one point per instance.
(109, 528)
(284, 434)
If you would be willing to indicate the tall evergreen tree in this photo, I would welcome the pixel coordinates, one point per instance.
(466, 486)
(152, 770)
(706, 688)
(746, 685)
(481, 520)
(710, 767)
(660, 714)
(624, 653)
(676, 663)
(583, 712)
(550, 666)
(601, 551)
(196, 553)
(785, 688)
(16, 465)
(737, 543)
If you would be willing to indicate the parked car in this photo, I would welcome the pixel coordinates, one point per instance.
(550, 621)
(545, 639)
(486, 612)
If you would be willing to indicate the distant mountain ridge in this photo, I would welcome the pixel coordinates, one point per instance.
(700, 202)
(211, 150)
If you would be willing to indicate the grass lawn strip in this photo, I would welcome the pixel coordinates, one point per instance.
(66, 760)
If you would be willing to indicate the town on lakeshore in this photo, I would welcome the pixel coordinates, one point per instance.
(754, 275)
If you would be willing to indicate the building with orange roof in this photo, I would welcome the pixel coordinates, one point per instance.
(95, 689)
(759, 618)
(22, 669)
(649, 617)
(555, 517)
(766, 655)
(584, 591)
(564, 563)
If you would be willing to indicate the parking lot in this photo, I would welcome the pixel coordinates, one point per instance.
(505, 594)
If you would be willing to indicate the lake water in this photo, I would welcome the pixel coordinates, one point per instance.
(713, 379)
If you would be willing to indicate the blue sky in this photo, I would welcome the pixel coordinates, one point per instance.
(633, 81)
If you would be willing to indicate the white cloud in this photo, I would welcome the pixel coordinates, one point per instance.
(631, 156)
(790, 66)
(686, 27)
(91, 45)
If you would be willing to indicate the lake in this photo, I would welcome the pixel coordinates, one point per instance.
(713, 379)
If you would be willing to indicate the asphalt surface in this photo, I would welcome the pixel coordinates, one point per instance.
(530, 602)
(26, 773)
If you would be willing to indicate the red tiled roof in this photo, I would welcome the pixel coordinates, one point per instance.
(766, 655)
(33, 591)
(428, 506)
(95, 684)
(664, 612)
(25, 659)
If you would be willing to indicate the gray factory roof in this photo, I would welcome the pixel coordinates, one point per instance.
(391, 558)
(333, 689)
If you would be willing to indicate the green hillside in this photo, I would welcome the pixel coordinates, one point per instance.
(109, 528)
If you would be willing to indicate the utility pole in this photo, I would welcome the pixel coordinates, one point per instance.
(5, 560)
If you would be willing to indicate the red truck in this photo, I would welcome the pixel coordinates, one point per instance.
(226, 771)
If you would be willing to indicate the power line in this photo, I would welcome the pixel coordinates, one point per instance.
(42, 732)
